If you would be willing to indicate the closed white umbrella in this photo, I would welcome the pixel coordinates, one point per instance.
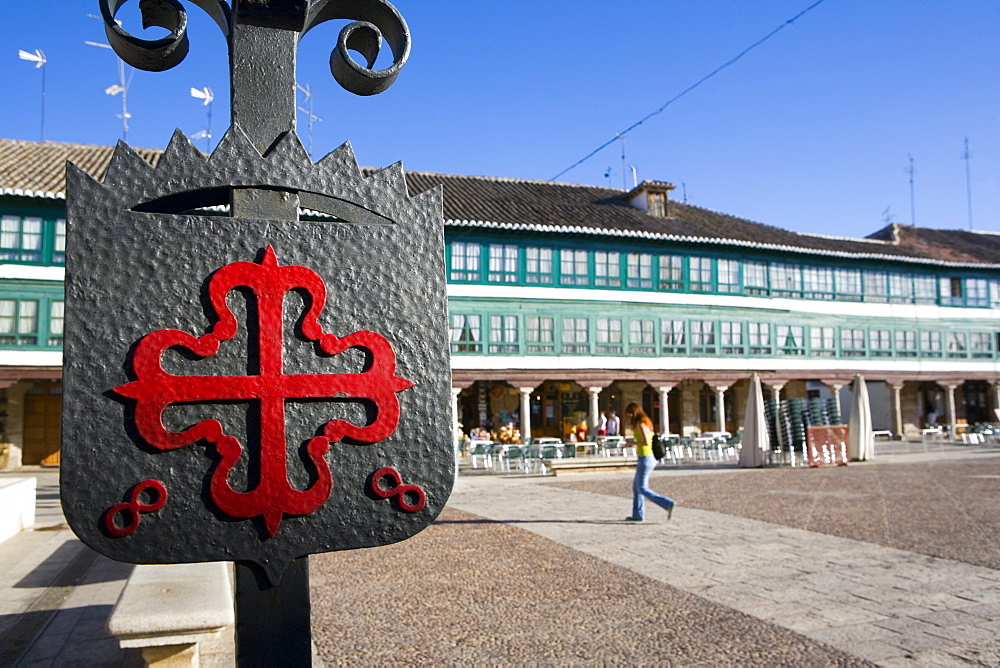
(860, 439)
(756, 442)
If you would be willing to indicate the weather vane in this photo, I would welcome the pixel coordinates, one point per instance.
(255, 387)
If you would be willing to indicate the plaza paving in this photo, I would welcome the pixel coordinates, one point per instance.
(891, 563)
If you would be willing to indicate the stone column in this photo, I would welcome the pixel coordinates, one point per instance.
(950, 408)
(665, 409)
(897, 408)
(776, 395)
(720, 406)
(835, 388)
(595, 419)
(996, 403)
(525, 412)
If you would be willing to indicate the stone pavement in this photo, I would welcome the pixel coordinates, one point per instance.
(885, 605)
(531, 570)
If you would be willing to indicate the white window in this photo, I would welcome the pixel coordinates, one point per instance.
(930, 344)
(924, 290)
(466, 334)
(607, 269)
(573, 266)
(731, 338)
(464, 261)
(700, 273)
(755, 278)
(957, 344)
(640, 270)
(848, 284)
(901, 288)
(703, 337)
(880, 343)
(729, 275)
(503, 334)
(538, 265)
(981, 345)
(818, 282)
(609, 336)
(56, 320)
(18, 322)
(21, 239)
(790, 340)
(822, 342)
(976, 292)
(575, 335)
(786, 279)
(876, 287)
(673, 337)
(671, 272)
(852, 342)
(759, 336)
(641, 338)
(503, 263)
(906, 343)
(541, 335)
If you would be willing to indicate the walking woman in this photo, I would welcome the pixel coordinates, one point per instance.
(642, 429)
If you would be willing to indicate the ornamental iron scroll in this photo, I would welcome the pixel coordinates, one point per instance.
(372, 21)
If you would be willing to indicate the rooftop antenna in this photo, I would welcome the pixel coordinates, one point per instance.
(913, 205)
(307, 92)
(206, 96)
(968, 178)
(684, 192)
(635, 177)
(38, 57)
(119, 88)
(624, 167)
(607, 175)
(888, 218)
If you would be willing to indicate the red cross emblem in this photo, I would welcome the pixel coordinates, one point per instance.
(154, 390)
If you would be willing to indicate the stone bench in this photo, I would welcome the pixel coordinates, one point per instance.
(168, 610)
(17, 505)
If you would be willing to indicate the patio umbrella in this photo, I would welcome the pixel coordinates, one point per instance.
(755, 439)
(860, 440)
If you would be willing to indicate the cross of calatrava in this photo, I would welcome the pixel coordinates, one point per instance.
(154, 390)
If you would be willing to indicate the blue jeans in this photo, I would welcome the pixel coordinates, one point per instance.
(640, 488)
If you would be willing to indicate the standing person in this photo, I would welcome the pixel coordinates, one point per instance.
(614, 424)
(642, 429)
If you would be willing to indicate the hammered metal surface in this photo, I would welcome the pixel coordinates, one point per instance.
(129, 273)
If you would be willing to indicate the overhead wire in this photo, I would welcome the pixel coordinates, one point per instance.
(690, 88)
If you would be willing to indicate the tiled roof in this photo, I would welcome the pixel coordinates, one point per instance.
(35, 169)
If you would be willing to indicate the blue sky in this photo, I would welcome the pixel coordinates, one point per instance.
(810, 131)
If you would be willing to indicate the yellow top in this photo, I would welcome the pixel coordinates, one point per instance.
(644, 441)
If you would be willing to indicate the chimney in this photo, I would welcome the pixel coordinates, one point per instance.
(651, 197)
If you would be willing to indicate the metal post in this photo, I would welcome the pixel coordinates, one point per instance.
(272, 621)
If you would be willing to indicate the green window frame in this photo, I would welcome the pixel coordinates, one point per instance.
(731, 338)
(700, 274)
(957, 345)
(977, 292)
(880, 343)
(466, 261)
(852, 342)
(575, 336)
(924, 290)
(639, 270)
(541, 334)
(930, 344)
(671, 272)
(539, 266)
(21, 238)
(755, 278)
(503, 263)
(906, 343)
(790, 340)
(876, 288)
(574, 267)
(786, 279)
(981, 345)
(729, 276)
(59, 241)
(57, 314)
(504, 334)
(672, 337)
(817, 282)
(609, 336)
(703, 337)
(759, 338)
(847, 283)
(900, 288)
(466, 333)
(19, 322)
(641, 337)
(951, 291)
(608, 269)
(822, 342)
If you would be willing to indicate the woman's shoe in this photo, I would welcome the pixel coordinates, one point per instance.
(633, 519)
(670, 510)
